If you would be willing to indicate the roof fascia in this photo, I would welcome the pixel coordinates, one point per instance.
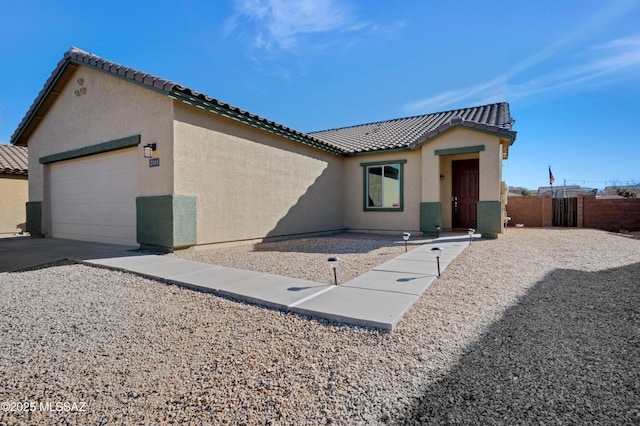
(377, 152)
(6, 173)
(121, 77)
(16, 139)
(508, 135)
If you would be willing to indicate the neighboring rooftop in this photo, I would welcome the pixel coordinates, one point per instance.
(14, 160)
(568, 191)
(411, 132)
(621, 191)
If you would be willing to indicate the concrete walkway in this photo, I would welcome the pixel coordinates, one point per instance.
(378, 298)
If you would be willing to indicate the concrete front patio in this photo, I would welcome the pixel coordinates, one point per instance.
(379, 298)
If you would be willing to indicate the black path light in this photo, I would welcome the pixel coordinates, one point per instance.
(438, 229)
(471, 232)
(333, 262)
(437, 251)
(405, 237)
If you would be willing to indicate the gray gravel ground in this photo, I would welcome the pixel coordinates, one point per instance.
(539, 327)
(307, 258)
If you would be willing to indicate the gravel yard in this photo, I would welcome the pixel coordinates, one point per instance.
(307, 258)
(541, 326)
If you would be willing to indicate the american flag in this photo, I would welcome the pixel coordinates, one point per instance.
(551, 179)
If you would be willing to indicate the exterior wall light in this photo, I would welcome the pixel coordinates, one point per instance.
(405, 237)
(333, 262)
(438, 229)
(437, 251)
(149, 149)
(441, 176)
(471, 231)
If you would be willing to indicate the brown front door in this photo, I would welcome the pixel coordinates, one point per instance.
(465, 192)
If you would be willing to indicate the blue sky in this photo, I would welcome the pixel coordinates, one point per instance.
(569, 69)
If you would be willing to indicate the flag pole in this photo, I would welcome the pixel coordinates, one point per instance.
(551, 180)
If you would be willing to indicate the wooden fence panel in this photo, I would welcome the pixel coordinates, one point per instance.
(565, 212)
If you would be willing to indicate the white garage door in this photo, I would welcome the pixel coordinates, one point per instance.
(94, 198)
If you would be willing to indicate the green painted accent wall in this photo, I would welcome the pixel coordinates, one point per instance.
(166, 222)
(489, 218)
(34, 217)
(113, 145)
(430, 216)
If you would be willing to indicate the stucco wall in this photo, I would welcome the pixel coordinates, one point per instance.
(92, 108)
(490, 162)
(250, 183)
(15, 191)
(388, 221)
(490, 173)
(422, 180)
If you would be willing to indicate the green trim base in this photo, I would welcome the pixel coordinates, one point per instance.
(34, 217)
(166, 222)
(490, 218)
(430, 217)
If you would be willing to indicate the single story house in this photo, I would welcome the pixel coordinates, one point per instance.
(14, 175)
(121, 156)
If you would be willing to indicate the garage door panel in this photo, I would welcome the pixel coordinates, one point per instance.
(94, 198)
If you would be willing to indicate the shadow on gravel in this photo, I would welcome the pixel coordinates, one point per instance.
(568, 353)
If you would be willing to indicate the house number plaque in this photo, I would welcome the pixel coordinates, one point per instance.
(154, 162)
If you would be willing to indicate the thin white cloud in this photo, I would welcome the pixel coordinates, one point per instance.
(604, 60)
(608, 58)
(491, 89)
(281, 23)
(611, 58)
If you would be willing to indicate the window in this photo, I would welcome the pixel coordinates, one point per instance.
(383, 186)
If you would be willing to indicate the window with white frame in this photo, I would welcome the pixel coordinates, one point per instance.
(383, 185)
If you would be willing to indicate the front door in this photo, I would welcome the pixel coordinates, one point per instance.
(465, 193)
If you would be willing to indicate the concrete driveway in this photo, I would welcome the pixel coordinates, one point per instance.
(19, 253)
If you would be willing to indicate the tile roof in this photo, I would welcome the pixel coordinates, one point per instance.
(402, 133)
(411, 132)
(75, 57)
(14, 159)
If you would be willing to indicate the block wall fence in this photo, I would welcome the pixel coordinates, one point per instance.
(609, 214)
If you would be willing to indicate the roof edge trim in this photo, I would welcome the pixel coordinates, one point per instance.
(40, 100)
(469, 125)
(254, 121)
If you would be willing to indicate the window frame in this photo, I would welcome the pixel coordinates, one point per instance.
(365, 184)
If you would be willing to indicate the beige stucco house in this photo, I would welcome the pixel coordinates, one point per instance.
(14, 189)
(121, 156)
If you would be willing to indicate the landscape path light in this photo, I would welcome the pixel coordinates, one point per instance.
(438, 229)
(405, 237)
(471, 232)
(437, 251)
(333, 262)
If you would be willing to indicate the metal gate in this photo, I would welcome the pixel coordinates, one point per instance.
(565, 212)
